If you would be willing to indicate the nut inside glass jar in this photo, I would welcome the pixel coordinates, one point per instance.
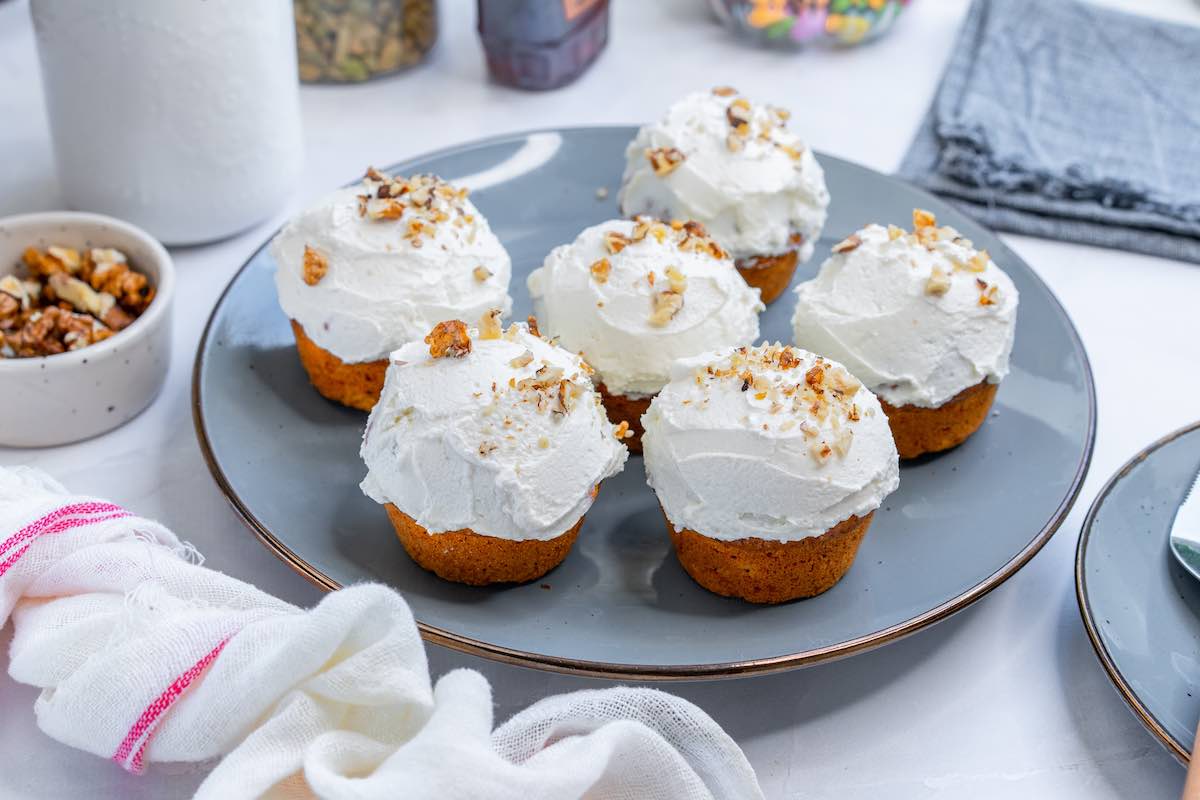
(346, 41)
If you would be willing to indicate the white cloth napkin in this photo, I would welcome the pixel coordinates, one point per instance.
(143, 655)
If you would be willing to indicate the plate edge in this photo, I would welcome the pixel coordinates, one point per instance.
(1147, 718)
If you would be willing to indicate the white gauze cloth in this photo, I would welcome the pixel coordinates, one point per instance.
(143, 655)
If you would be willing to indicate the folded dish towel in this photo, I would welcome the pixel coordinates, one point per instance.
(144, 655)
(1060, 119)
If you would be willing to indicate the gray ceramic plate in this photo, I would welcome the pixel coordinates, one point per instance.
(1140, 607)
(620, 605)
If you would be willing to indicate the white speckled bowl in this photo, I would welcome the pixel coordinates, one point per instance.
(71, 396)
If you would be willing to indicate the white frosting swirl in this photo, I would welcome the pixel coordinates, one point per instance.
(607, 313)
(875, 309)
(754, 199)
(460, 443)
(788, 457)
(384, 287)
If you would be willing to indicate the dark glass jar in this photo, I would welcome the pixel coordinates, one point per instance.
(344, 41)
(542, 44)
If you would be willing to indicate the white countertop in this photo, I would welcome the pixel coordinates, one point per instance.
(1004, 700)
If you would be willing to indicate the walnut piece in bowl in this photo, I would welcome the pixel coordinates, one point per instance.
(85, 325)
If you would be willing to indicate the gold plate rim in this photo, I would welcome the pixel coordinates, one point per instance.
(1175, 748)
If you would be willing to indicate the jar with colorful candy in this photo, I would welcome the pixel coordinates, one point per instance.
(795, 23)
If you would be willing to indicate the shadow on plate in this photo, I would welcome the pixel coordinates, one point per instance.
(277, 371)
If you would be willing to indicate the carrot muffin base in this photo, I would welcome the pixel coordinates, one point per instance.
(765, 571)
(622, 408)
(464, 556)
(354, 385)
(918, 430)
(769, 274)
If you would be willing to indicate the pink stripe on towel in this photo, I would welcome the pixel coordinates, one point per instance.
(76, 515)
(139, 735)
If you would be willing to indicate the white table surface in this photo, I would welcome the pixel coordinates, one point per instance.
(1004, 700)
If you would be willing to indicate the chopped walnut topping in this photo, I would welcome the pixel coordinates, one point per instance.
(489, 325)
(788, 359)
(567, 395)
(821, 405)
(738, 115)
(791, 152)
(841, 441)
(377, 209)
(743, 124)
(938, 283)
(615, 241)
(481, 273)
(849, 243)
(667, 304)
(664, 160)
(676, 280)
(622, 431)
(523, 360)
(690, 237)
(894, 232)
(923, 219)
(449, 339)
(979, 261)
(989, 295)
(531, 321)
(600, 270)
(641, 227)
(842, 383)
(487, 448)
(724, 91)
(315, 266)
(426, 201)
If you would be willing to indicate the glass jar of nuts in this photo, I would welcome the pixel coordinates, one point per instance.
(341, 41)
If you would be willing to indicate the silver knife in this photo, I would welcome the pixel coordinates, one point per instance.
(1185, 530)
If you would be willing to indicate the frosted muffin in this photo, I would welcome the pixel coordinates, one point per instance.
(487, 447)
(633, 296)
(735, 167)
(923, 318)
(769, 463)
(371, 267)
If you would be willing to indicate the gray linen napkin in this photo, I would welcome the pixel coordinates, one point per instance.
(1064, 120)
